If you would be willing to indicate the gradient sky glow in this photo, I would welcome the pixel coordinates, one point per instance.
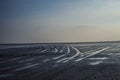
(37, 21)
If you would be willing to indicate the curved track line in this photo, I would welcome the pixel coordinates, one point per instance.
(56, 50)
(94, 53)
(70, 58)
(68, 51)
(77, 53)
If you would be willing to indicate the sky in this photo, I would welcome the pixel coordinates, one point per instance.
(44, 21)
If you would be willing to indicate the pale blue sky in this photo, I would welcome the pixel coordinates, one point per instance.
(59, 20)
